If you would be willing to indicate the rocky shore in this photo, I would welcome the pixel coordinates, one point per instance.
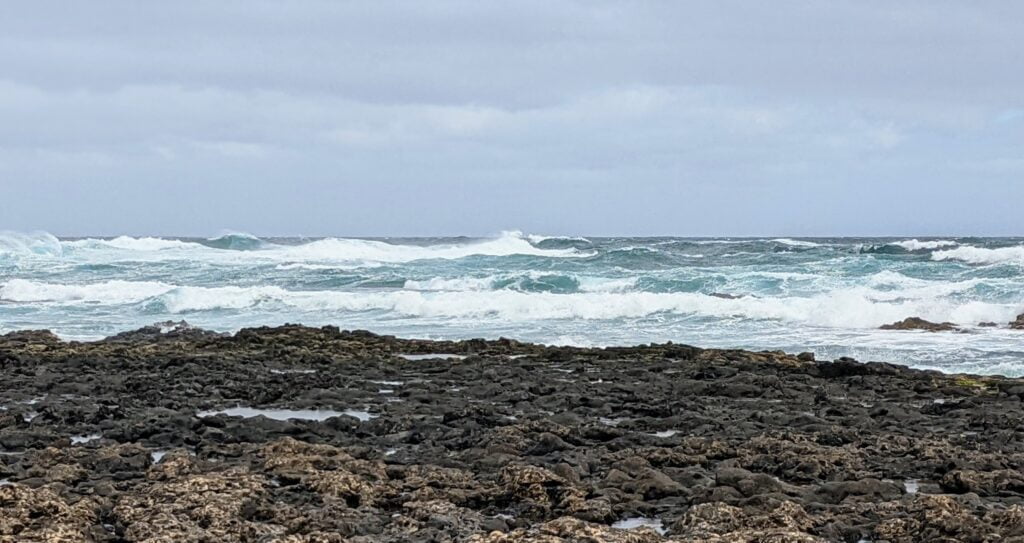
(297, 434)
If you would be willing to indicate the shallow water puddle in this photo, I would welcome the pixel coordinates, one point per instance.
(287, 414)
(30, 415)
(388, 383)
(665, 433)
(911, 486)
(432, 356)
(78, 440)
(5, 482)
(633, 523)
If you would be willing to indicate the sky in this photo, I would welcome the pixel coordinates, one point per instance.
(696, 118)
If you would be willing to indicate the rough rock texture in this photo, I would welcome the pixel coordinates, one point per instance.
(917, 323)
(1018, 323)
(103, 442)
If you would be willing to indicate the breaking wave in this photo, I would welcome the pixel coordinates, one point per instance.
(915, 245)
(128, 243)
(796, 242)
(324, 250)
(828, 295)
(857, 307)
(29, 243)
(344, 249)
(108, 292)
(981, 255)
(236, 241)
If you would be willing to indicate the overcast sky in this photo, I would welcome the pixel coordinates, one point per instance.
(451, 117)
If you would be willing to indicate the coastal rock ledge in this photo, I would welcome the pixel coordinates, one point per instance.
(317, 435)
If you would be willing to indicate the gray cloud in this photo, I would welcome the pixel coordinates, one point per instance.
(697, 118)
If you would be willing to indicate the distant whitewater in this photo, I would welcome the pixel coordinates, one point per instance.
(824, 295)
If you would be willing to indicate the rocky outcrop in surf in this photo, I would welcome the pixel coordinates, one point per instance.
(917, 323)
(348, 436)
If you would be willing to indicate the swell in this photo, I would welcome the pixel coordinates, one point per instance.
(856, 307)
(327, 250)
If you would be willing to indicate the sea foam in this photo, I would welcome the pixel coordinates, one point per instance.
(826, 296)
(915, 245)
(29, 243)
(856, 307)
(982, 255)
(342, 249)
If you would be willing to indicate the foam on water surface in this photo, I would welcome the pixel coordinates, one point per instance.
(828, 296)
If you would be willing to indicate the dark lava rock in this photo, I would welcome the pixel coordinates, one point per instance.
(916, 323)
(118, 441)
(1018, 323)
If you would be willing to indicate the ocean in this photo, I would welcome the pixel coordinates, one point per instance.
(825, 295)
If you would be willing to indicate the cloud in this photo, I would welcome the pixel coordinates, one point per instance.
(586, 105)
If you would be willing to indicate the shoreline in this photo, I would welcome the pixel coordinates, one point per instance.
(133, 438)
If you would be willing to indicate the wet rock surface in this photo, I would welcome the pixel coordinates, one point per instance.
(917, 323)
(512, 443)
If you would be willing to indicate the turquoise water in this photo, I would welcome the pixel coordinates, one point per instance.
(824, 295)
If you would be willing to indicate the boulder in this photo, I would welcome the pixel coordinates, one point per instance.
(917, 323)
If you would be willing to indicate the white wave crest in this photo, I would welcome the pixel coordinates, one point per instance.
(536, 238)
(858, 307)
(796, 242)
(854, 308)
(108, 292)
(343, 249)
(915, 245)
(186, 299)
(980, 255)
(31, 243)
(128, 243)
